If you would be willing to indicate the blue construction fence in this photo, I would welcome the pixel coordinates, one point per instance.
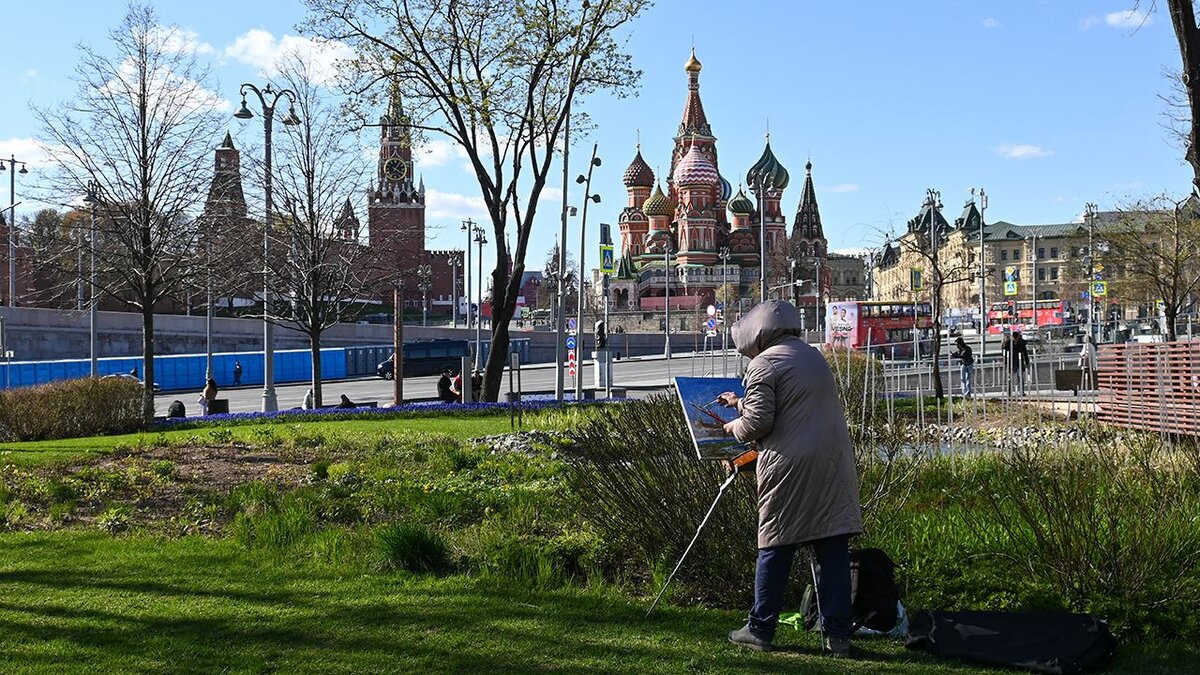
(181, 372)
(185, 372)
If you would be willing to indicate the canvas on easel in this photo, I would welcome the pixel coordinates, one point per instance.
(706, 417)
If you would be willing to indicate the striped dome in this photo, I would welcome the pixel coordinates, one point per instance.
(768, 170)
(639, 174)
(696, 169)
(741, 204)
(726, 189)
(658, 204)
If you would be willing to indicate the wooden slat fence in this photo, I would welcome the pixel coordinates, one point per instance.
(1151, 386)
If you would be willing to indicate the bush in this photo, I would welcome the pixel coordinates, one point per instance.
(406, 546)
(71, 409)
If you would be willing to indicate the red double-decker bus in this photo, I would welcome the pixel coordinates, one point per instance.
(1026, 316)
(885, 328)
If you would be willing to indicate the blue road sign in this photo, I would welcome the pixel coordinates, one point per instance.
(711, 324)
(571, 323)
(571, 342)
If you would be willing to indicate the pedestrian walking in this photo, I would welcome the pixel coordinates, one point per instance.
(807, 487)
(965, 354)
(237, 373)
(1016, 356)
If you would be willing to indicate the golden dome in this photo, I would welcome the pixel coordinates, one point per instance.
(693, 64)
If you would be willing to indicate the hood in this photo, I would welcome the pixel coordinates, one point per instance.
(763, 326)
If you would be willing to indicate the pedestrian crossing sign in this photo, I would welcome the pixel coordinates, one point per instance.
(1100, 289)
(1010, 288)
(607, 260)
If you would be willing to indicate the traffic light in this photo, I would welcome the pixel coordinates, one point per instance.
(1012, 309)
(601, 334)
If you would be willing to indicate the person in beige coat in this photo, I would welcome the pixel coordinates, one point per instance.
(807, 486)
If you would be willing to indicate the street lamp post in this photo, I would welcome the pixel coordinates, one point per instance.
(269, 401)
(423, 275)
(762, 243)
(983, 202)
(93, 199)
(12, 224)
(468, 226)
(724, 256)
(453, 290)
(480, 239)
(667, 304)
(586, 181)
(1089, 213)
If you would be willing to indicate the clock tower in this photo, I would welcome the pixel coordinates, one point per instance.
(395, 205)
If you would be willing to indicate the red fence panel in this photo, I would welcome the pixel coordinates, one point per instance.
(1151, 386)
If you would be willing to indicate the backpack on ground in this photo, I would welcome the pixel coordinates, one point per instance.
(874, 595)
(176, 409)
(1043, 641)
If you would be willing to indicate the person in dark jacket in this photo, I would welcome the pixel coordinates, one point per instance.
(445, 388)
(346, 402)
(964, 353)
(1016, 355)
(237, 373)
(477, 386)
(807, 486)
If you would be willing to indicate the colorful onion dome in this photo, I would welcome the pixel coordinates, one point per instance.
(769, 170)
(741, 204)
(639, 173)
(658, 204)
(693, 64)
(695, 168)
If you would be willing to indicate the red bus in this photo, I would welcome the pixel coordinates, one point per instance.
(886, 328)
(1023, 316)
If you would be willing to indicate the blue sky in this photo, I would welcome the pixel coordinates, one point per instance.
(1045, 104)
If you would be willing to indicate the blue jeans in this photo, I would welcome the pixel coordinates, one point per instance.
(833, 586)
(967, 378)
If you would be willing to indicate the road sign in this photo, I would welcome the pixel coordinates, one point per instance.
(1100, 289)
(570, 361)
(571, 342)
(1011, 274)
(710, 324)
(571, 325)
(1010, 288)
(608, 264)
(711, 333)
(712, 310)
(914, 279)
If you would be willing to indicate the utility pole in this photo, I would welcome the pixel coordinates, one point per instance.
(982, 277)
(1089, 214)
(667, 286)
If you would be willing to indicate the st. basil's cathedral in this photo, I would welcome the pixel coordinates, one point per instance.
(688, 227)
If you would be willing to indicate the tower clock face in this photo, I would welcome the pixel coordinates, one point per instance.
(394, 169)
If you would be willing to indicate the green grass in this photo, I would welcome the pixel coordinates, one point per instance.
(68, 449)
(73, 602)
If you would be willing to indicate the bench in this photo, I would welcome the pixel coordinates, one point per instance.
(1071, 379)
(357, 404)
(218, 406)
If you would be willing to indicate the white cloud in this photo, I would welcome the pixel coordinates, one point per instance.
(1089, 22)
(259, 48)
(1133, 18)
(177, 89)
(29, 75)
(179, 40)
(843, 187)
(31, 151)
(1022, 151)
(439, 152)
(991, 23)
(452, 206)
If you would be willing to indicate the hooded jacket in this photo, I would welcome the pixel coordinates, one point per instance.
(807, 487)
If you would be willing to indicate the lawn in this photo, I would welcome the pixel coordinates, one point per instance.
(35, 453)
(87, 602)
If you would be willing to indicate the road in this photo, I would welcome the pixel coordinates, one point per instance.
(639, 372)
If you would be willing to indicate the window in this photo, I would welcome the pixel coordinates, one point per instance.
(1053, 252)
(1054, 274)
(1041, 253)
(1041, 274)
(1004, 254)
(1016, 254)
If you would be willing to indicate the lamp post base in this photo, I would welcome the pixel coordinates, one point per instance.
(269, 402)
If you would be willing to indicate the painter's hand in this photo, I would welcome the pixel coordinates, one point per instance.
(729, 428)
(728, 399)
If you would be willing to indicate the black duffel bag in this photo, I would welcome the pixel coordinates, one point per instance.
(1042, 641)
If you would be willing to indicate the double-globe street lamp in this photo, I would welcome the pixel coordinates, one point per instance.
(586, 182)
(480, 241)
(424, 272)
(12, 223)
(475, 234)
(92, 199)
(269, 402)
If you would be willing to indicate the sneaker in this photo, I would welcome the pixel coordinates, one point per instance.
(744, 638)
(838, 648)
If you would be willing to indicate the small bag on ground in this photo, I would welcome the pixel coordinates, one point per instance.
(1043, 641)
(874, 595)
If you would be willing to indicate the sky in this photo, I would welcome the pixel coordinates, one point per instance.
(1044, 104)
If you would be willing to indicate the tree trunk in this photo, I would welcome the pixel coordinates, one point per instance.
(1170, 314)
(502, 313)
(148, 362)
(314, 341)
(938, 391)
(1183, 18)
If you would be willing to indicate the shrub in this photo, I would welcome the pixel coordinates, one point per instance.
(114, 519)
(71, 409)
(406, 546)
(859, 380)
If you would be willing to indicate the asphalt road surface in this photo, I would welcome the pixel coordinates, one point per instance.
(638, 372)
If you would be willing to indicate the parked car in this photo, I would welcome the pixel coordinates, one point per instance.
(131, 377)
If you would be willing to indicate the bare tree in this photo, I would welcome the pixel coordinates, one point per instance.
(319, 269)
(549, 299)
(135, 138)
(1183, 18)
(498, 78)
(1153, 252)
